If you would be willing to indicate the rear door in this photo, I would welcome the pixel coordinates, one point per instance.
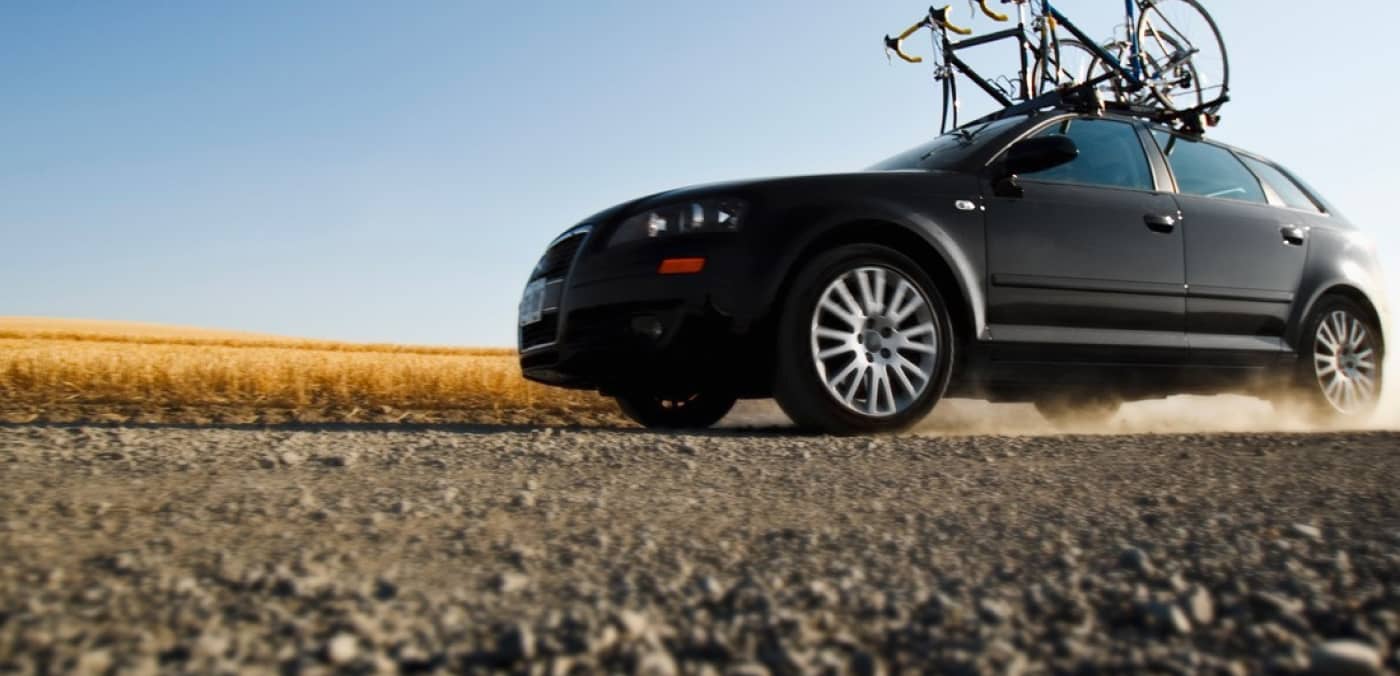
(1244, 255)
(1088, 264)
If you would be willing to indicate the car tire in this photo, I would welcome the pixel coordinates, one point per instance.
(862, 320)
(1066, 412)
(696, 411)
(1340, 359)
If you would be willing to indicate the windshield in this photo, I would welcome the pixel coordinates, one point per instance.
(949, 149)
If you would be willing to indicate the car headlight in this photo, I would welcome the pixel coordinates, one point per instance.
(707, 215)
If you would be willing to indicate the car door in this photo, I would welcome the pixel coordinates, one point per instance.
(1087, 264)
(1244, 256)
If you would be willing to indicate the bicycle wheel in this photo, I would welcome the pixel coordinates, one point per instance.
(1184, 59)
(1074, 63)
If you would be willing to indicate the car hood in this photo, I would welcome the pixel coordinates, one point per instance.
(753, 188)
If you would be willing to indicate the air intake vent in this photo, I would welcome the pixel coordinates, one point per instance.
(542, 332)
(560, 257)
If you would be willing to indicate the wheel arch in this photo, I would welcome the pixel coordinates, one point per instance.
(950, 272)
(1343, 290)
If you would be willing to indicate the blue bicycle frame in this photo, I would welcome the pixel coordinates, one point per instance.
(1130, 8)
(1133, 72)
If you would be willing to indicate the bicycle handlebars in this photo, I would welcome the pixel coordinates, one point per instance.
(896, 45)
(993, 15)
(937, 18)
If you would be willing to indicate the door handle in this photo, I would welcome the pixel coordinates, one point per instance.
(1294, 235)
(1160, 223)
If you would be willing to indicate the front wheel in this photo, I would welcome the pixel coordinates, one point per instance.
(697, 410)
(865, 343)
(1072, 63)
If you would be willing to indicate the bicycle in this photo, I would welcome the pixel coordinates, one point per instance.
(939, 24)
(1174, 50)
(1169, 58)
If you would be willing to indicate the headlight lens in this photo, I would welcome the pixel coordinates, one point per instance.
(709, 215)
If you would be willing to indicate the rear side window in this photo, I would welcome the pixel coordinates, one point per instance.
(1282, 185)
(1110, 154)
(1209, 170)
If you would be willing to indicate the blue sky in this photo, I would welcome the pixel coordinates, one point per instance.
(391, 171)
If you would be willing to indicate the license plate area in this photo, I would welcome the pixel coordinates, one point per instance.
(532, 303)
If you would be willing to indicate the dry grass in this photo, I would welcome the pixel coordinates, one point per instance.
(103, 327)
(61, 371)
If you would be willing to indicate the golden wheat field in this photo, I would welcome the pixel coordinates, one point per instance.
(69, 370)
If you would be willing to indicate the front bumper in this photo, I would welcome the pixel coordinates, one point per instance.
(628, 333)
(615, 322)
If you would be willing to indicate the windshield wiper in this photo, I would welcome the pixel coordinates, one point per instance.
(964, 137)
(966, 134)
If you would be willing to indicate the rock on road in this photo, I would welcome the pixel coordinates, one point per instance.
(136, 550)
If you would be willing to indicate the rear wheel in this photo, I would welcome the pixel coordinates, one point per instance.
(695, 411)
(865, 343)
(1339, 369)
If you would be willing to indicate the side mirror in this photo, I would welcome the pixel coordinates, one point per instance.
(1040, 153)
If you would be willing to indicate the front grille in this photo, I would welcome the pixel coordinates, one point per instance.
(560, 257)
(540, 333)
(554, 266)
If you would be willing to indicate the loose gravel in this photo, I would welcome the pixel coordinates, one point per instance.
(382, 550)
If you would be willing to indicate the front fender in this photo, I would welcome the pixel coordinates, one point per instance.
(917, 203)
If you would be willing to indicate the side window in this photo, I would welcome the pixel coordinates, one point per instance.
(1110, 154)
(1282, 185)
(1209, 170)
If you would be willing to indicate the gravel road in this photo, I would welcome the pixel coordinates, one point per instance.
(135, 550)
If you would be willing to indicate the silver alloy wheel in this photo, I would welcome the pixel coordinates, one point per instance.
(1344, 358)
(875, 341)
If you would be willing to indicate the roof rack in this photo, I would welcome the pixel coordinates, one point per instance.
(1084, 98)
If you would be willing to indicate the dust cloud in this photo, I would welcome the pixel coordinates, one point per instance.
(1388, 413)
(1184, 414)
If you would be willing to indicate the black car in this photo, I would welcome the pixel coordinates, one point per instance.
(1067, 259)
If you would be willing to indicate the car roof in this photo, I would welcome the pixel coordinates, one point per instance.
(1036, 119)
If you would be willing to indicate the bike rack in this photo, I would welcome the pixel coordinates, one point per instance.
(1082, 97)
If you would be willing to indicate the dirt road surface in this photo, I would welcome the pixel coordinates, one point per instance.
(323, 549)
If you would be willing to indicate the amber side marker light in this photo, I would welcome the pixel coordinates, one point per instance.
(681, 266)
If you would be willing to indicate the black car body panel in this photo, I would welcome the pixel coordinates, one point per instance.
(1141, 288)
